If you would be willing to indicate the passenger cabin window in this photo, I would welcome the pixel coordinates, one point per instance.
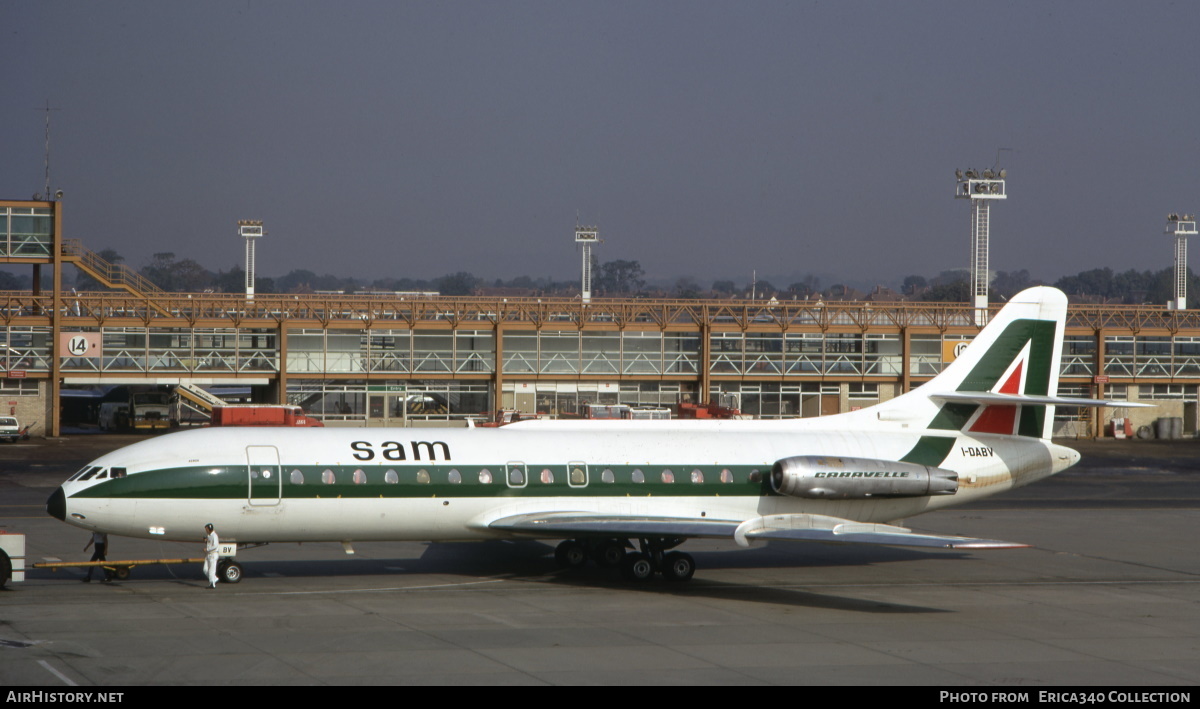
(547, 476)
(697, 476)
(668, 476)
(577, 474)
(297, 477)
(608, 476)
(423, 476)
(516, 476)
(454, 476)
(638, 476)
(327, 477)
(485, 477)
(391, 477)
(360, 478)
(726, 476)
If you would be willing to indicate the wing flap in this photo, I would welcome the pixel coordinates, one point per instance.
(792, 528)
(573, 524)
(834, 530)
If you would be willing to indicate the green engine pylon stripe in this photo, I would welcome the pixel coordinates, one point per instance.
(930, 450)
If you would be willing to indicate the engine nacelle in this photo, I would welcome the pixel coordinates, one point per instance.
(834, 478)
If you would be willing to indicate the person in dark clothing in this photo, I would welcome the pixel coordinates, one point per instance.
(100, 541)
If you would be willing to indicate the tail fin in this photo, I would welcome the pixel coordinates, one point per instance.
(1006, 380)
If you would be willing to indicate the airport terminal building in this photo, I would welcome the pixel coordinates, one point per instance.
(377, 360)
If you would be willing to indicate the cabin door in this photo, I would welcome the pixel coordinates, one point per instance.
(265, 481)
(387, 410)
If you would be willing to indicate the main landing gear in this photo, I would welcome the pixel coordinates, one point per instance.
(653, 556)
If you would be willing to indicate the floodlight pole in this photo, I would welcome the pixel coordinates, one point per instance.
(1181, 226)
(981, 188)
(586, 236)
(250, 230)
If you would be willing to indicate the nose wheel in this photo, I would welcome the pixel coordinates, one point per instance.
(229, 572)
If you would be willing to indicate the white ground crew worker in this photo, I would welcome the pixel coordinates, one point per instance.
(211, 546)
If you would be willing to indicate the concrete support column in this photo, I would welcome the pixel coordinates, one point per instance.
(1101, 411)
(54, 413)
(498, 374)
(282, 379)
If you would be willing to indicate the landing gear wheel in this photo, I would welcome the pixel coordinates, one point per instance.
(570, 554)
(678, 567)
(229, 572)
(121, 573)
(610, 554)
(637, 567)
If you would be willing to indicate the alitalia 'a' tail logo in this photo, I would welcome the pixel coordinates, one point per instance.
(1019, 362)
(1003, 419)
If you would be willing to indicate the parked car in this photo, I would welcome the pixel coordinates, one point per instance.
(10, 430)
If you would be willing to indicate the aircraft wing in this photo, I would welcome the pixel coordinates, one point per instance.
(794, 527)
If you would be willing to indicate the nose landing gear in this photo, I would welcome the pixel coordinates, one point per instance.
(229, 571)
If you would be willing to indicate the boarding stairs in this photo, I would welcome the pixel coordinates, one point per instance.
(111, 275)
(196, 399)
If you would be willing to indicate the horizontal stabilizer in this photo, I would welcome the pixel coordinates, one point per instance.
(794, 528)
(991, 398)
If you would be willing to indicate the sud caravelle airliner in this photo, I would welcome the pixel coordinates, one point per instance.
(619, 493)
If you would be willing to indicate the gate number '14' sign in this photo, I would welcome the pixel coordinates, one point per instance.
(80, 344)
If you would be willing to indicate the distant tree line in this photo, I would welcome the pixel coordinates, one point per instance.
(626, 278)
(1098, 285)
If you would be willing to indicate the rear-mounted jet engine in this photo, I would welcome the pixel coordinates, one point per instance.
(833, 478)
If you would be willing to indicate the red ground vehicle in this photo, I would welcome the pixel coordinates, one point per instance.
(717, 408)
(262, 415)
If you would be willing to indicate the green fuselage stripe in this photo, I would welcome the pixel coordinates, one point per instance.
(419, 481)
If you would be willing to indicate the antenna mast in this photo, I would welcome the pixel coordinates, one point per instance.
(47, 195)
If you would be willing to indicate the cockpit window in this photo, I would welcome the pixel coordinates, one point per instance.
(78, 475)
(118, 473)
(90, 474)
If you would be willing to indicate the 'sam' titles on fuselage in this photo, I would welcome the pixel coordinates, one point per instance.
(395, 450)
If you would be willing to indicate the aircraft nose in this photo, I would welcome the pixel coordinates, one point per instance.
(56, 506)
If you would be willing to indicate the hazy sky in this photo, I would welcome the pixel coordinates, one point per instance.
(704, 138)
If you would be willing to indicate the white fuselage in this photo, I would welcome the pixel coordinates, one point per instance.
(287, 484)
